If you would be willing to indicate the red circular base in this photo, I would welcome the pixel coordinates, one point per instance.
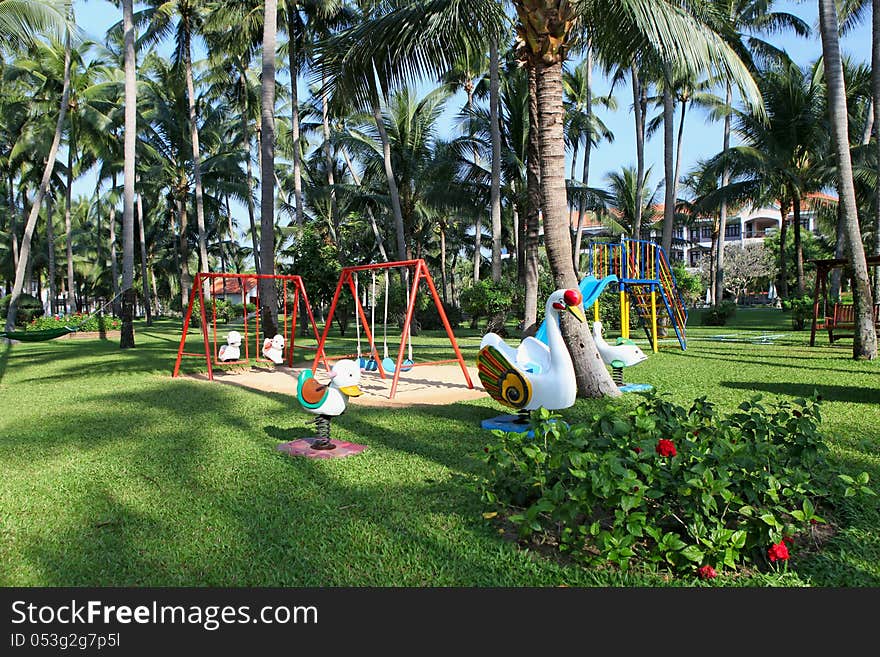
(303, 447)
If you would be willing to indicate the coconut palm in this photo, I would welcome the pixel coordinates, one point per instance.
(865, 337)
(22, 21)
(24, 253)
(424, 38)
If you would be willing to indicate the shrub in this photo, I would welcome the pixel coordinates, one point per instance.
(225, 311)
(486, 298)
(429, 318)
(83, 322)
(718, 314)
(669, 486)
(801, 309)
(29, 307)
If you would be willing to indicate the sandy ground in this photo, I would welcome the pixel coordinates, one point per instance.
(427, 384)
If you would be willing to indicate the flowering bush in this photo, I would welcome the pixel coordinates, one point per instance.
(684, 488)
(92, 323)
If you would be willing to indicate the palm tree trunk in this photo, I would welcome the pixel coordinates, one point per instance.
(588, 147)
(533, 206)
(145, 291)
(839, 253)
(865, 338)
(668, 168)
(478, 219)
(328, 157)
(268, 295)
(798, 247)
(25, 250)
(638, 115)
(294, 114)
(114, 270)
(183, 253)
(784, 206)
(725, 180)
(197, 164)
(245, 129)
(393, 193)
(443, 264)
(495, 186)
(68, 230)
(50, 245)
(592, 376)
(126, 338)
(875, 106)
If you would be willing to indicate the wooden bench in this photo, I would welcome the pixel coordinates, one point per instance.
(843, 317)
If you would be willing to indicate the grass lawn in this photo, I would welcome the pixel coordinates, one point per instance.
(115, 474)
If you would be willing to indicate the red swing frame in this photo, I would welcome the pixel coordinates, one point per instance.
(288, 328)
(420, 273)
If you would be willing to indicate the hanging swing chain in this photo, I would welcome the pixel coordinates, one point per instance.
(406, 308)
(385, 321)
(357, 318)
(373, 313)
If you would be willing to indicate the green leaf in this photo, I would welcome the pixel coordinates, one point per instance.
(738, 538)
(693, 553)
(809, 509)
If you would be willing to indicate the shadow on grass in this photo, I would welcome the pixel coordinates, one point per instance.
(853, 394)
(208, 501)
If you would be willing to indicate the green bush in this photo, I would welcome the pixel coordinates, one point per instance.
(718, 314)
(29, 307)
(83, 322)
(486, 298)
(224, 309)
(236, 310)
(801, 309)
(429, 318)
(669, 486)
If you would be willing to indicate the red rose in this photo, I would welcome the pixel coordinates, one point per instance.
(706, 572)
(788, 539)
(778, 551)
(637, 450)
(665, 447)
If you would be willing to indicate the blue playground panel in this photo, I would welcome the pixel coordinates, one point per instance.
(508, 424)
(636, 387)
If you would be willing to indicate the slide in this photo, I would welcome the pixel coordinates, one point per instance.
(591, 287)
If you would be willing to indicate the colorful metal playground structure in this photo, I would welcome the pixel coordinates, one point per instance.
(643, 275)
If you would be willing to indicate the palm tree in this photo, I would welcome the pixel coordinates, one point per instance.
(22, 21)
(750, 19)
(781, 155)
(495, 191)
(126, 338)
(268, 294)
(24, 253)
(865, 337)
(631, 203)
(159, 19)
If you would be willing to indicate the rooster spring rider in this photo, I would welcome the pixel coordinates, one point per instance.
(534, 374)
(328, 400)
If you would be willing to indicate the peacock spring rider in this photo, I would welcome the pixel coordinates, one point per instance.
(534, 374)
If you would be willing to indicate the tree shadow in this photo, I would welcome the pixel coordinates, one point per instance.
(852, 394)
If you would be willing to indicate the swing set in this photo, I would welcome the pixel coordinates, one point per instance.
(284, 284)
(415, 270)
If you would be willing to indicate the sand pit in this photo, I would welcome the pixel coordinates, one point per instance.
(426, 384)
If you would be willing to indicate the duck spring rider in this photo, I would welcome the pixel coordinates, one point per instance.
(534, 374)
(328, 400)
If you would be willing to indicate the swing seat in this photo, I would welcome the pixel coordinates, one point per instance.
(389, 365)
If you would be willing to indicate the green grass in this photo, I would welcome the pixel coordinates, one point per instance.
(115, 474)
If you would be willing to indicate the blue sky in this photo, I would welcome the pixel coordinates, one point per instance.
(702, 139)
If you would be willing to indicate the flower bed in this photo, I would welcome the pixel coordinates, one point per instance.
(687, 489)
